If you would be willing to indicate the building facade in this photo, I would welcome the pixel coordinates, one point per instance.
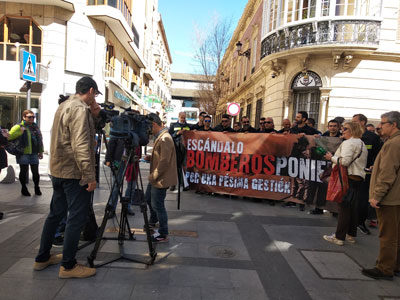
(329, 58)
(108, 40)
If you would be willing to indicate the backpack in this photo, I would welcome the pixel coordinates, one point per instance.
(17, 146)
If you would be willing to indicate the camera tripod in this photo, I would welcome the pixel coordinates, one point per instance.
(124, 227)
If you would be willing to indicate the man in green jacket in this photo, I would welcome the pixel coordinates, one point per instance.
(72, 170)
(384, 197)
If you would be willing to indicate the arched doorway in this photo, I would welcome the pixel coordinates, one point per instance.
(306, 94)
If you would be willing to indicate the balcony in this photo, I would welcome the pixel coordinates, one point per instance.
(68, 5)
(336, 32)
(118, 18)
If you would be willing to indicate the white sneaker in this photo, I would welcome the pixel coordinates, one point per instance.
(332, 238)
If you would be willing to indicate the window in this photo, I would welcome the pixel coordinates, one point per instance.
(254, 55)
(239, 68)
(20, 32)
(248, 111)
(110, 60)
(258, 112)
(246, 66)
(325, 8)
(125, 73)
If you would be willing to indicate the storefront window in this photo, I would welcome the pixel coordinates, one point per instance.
(14, 33)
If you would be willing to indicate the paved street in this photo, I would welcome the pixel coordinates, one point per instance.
(219, 248)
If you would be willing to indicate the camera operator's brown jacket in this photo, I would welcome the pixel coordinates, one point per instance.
(163, 171)
(72, 142)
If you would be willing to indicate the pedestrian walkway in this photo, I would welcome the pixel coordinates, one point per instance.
(219, 248)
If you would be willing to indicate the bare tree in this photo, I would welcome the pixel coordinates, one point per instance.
(208, 56)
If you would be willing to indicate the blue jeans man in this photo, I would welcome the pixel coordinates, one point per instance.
(68, 195)
(155, 199)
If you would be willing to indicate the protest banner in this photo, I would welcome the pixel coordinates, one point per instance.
(260, 165)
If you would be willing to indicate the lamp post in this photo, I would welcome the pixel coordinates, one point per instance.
(239, 48)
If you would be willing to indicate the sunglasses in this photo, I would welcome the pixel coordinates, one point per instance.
(207, 121)
(225, 121)
(262, 123)
(30, 117)
(268, 122)
(383, 123)
(246, 122)
(345, 128)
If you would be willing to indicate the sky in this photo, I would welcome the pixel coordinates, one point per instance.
(182, 17)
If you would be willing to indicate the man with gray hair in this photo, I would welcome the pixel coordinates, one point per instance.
(384, 197)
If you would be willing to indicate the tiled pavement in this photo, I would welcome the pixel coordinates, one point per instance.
(219, 248)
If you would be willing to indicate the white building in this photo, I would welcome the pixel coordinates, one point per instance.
(107, 40)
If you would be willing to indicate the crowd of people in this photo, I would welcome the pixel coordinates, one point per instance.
(370, 154)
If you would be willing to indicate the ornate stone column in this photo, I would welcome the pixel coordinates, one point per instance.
(287, 96)
(323, 110)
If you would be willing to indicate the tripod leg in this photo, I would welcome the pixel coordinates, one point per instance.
(100, 233)
(152, 252)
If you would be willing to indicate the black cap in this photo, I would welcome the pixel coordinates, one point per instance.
(84, 84)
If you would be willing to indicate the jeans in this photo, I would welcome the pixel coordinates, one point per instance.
(130, 193)
(115, 192)
(68, 196)
(155, 199)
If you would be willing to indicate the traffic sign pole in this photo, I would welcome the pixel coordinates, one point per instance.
(28, 95)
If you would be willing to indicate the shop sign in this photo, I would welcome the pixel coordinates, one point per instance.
(124, 98)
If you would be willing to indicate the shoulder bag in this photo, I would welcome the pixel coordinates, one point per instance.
(338, 182)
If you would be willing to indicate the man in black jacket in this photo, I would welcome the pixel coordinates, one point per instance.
(302, 127)
(3, 155)
(200, 124)
(176, 130)
(333, 129)
(373, 144)
(225, 124)
(246, 125)
(269, 126)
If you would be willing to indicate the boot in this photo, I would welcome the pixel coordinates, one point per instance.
(24, 191)
(37, 191)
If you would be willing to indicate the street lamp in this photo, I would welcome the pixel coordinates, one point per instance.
(239, 48)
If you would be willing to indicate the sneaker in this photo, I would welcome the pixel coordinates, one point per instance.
(78, 271)
(111, 215)
(38, 191)
(289, 204)
(375, 273)
(350, 239)
(316, 211)
(58, 241)
(373, 224)
(364, 229)
(172, 188)
(25, 192)
(53, 260)
(332, 238)
(159, 238)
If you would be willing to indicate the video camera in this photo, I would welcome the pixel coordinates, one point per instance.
(129, 125)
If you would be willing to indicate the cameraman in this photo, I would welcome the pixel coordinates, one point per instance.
(73, 176)
(176, 130)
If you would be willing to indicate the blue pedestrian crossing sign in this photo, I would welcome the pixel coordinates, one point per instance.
(28, 70)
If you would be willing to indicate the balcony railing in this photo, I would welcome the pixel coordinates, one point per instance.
(350, 32)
